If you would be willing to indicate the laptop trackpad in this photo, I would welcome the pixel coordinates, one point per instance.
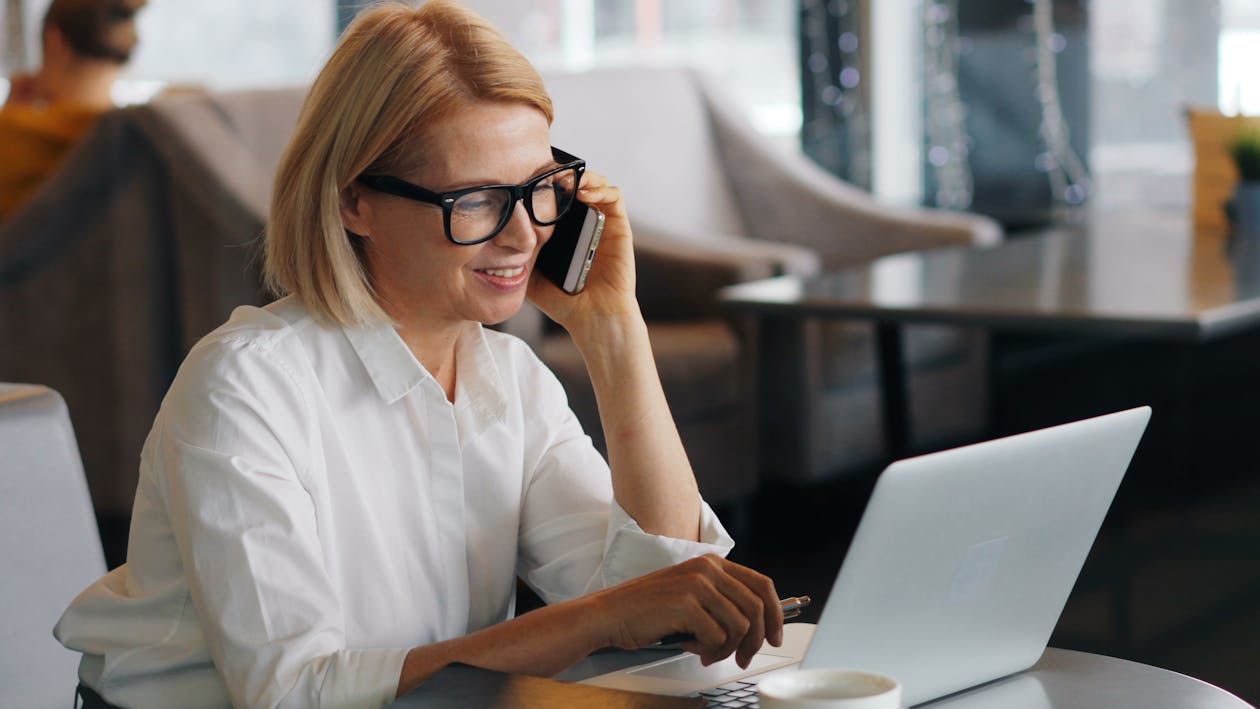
(687, 668)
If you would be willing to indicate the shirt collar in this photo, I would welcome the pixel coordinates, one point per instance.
(479, 385)
(395, 371)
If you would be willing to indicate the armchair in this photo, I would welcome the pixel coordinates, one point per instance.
(714, 203)
(140, 244)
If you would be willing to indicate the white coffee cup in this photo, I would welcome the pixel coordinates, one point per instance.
(829, 689)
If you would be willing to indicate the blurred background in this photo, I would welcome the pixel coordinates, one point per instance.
(1026, 111)
(1126, 70)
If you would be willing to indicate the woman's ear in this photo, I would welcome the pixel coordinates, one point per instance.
(356, 212)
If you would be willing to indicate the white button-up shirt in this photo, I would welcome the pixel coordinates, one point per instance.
(311, 506)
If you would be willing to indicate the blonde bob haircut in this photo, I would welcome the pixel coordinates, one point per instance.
(396, 69)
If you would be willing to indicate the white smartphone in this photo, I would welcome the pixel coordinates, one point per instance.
(567, 256)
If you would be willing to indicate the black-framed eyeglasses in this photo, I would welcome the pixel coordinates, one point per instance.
(476, 214)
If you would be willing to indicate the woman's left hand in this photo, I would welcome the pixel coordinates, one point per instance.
(609, 292)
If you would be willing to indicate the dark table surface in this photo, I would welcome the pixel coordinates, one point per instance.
(1130, 274)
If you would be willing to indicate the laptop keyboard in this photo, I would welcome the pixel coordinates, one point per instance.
(735, 694)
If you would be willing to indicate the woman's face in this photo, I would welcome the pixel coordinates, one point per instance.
(419, 274)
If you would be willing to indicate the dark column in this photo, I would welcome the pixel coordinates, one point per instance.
(835, 130)
(998, 85)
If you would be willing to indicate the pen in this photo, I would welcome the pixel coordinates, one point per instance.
(791, 608)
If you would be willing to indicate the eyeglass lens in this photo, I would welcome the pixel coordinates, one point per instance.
(478, 215)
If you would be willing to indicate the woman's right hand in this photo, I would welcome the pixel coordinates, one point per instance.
(728, 608)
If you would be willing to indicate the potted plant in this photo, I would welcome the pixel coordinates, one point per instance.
(1246, 208)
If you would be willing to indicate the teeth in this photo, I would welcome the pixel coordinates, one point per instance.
(505, 272)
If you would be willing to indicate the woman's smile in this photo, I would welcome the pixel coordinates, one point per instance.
(508, 278)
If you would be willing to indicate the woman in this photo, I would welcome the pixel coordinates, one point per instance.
(86, 45)
(341, 488)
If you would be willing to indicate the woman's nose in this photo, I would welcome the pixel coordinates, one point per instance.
(519, 233)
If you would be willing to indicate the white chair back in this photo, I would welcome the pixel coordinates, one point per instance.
(648, 129)
(50, 549)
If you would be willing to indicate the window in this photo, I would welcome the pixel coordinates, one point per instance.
(1154, 59)
(234, 43)
(749, 44)
(231, 44)
(224, 44)
(1239, 55)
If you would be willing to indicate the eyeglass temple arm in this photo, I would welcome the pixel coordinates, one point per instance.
(400, 188)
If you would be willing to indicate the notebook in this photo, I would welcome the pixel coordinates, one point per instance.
(959, 569)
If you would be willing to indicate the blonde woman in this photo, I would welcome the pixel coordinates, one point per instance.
(341, 488)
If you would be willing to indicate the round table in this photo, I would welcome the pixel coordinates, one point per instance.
(1066, 678)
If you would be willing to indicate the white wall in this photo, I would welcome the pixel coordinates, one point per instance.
(896, 91)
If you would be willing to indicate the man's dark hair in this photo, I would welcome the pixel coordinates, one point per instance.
(97, 29)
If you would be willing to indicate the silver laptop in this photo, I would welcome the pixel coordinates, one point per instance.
(959, 569)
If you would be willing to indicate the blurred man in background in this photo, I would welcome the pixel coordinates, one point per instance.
(86, 44)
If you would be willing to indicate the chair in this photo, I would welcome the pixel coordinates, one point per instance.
(141, 243)
(714, 203)
(49, 548)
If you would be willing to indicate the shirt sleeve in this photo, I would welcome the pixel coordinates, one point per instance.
(234, 443)
(575, 539)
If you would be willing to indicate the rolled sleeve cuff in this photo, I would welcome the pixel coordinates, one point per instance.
(632, 552)
(363, 678)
